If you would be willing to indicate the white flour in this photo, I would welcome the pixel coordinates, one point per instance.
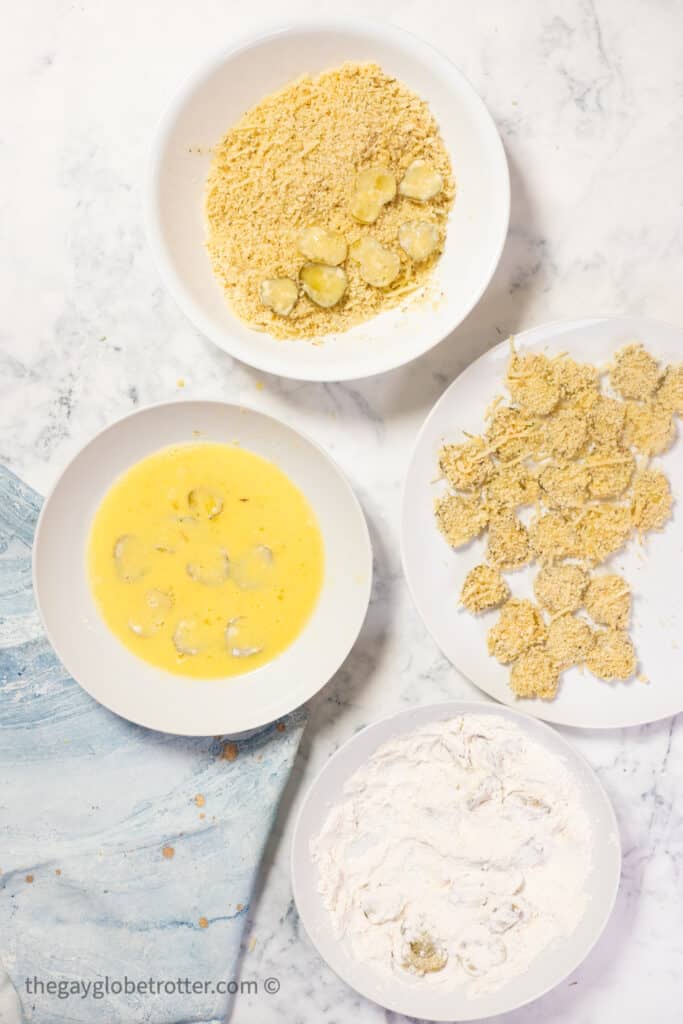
(456, 856)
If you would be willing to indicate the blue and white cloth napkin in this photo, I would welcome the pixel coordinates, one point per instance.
(124, 853)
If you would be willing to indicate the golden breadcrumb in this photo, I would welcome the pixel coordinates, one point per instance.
(576, 454)
(534, 675)
(649, 428)
(553, 537)
(577, 381)
(519, 627)
(611, 473)
(652, 500)
(484, 588)
(670, 392)
(564, 485)
(560, 588)
(634, 373)
(612, 655)
(511, 485)
(466, 466)
(608, 600)
(566, 432)
(569, 640)
(603, 530)
(460, 518)
(292, 162)
(508, 541)
(511, 434)
(532, 383)
(606, 422)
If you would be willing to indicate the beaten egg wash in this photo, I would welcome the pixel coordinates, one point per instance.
(205, 560)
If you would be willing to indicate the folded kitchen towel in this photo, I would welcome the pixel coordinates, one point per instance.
(124, 853)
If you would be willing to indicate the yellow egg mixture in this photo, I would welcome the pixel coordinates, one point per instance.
(205, 560)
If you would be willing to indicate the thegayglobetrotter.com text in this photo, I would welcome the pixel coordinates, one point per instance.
(100, 988)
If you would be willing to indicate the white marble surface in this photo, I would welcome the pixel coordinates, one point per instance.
(589, 100)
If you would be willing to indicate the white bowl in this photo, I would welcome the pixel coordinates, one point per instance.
(111, 673)
(435, 573)
(545, 972)
(216, 95)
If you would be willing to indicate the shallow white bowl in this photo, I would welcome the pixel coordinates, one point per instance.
(111, 673)
(545, 972)
(216, 95)
(435, 573)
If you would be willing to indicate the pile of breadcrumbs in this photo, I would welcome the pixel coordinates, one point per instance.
(291, 168)
(581, 458)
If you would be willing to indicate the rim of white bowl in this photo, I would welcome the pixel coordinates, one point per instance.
(174, 283)
(285, 706)
(528, 724)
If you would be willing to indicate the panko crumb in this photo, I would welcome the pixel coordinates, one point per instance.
(670, 392)
(652, 500)
(602, 531)
(560, 588)
(606, 422)
(612, 656)
(512, 485)
(581, 457)
(569, 640)
(553, 537)
(566, 433)
(649, 428)
(534, 674)
(608, 600)
(577, 381)
(611, 473)
(484, 588)
(634, 373)
(519, 627)
(508, 541)
(460, 518)
(532, 382)
(565, 486)
(511, 434)
(466, 466)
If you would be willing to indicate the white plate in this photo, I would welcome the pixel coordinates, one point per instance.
(544, 973)
(111, 673)
(435, 573)
(219, 92)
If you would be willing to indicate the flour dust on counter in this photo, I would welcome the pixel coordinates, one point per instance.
(456, 856)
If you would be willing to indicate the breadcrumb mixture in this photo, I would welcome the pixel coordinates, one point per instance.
(519, 627)
(290, 163)
(508, 543)
(560, 588)
(534, 674)
(670, 393)
(652, 500)
(569, 640)
(466, 466)
(612, 656)
(460, 518)
(635, 373)
(512, 485)
(581, 457)
(608, 600)
(649, 428)
(484, 588)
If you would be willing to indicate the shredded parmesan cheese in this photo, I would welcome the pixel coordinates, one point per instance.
(291, 163)
(484, 588)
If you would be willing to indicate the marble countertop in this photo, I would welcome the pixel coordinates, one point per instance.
(588, 96)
